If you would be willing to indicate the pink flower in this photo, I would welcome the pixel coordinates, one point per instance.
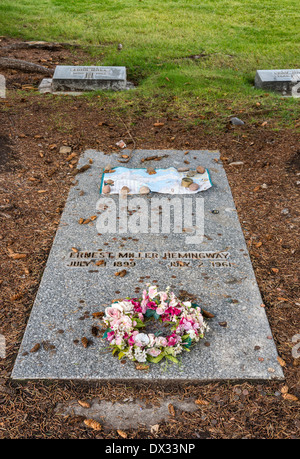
(161, 341)
(113, 312)
(110, 336)
(118, 341)
(163, 296)
(165, 317)
(136, 305)
(154, 352)
(172, 340)
(151, 305)
(173, 311)
(131, 340)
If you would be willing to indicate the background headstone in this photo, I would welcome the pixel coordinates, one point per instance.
(88, 78)
(277, 80)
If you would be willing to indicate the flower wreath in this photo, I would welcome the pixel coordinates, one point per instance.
(125, 318)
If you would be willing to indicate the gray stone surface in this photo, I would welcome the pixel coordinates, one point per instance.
(88, 78)
(218, 271)
(45, 87)
(129, 413)
(277, 80)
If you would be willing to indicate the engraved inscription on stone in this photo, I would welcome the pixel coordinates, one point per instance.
(91, 72)
(86, 259)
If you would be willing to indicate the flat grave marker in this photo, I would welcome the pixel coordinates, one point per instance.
(211, 265)
(282, 80)
(78, 79)
(84, 78)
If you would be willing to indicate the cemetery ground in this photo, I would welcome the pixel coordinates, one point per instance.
(262, 162)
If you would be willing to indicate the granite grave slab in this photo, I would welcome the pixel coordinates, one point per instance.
(282, 81)
(88, 78)
(215, 267)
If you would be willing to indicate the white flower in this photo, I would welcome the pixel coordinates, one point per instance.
(177, 349)
(126, 306)
(192, 334)
(141, 339)
(151, 337)
(152, 292)
(140, 355)
(125, 323)
(187, 303)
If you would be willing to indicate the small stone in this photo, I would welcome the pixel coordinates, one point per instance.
(285, 211)
(236, 121)
(125, 190)
(64, 149)
(144, 190)
(35, 348)
(183, 169)
(151, 171)
(237, 390)
(106, 189)
(186, 182)
(121, 144)
(194, 187)
(200, 170)
(107, 167)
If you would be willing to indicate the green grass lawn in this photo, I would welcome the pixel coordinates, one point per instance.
(158, 36)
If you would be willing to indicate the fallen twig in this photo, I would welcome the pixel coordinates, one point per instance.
(24, 66)
(40, 45)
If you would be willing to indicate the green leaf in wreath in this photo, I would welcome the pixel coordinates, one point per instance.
(172, 358)
(188, 342)
(108, 330)
(150, 313)
(155, 359)
(139, 323)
